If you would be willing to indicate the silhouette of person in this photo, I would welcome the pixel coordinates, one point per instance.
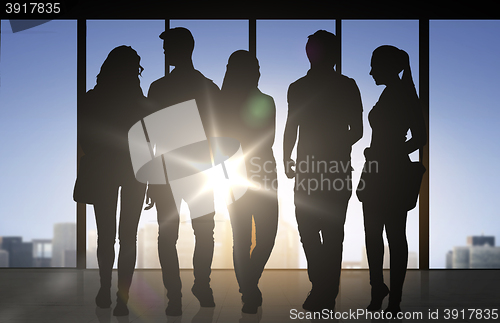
(107, 113)
(183, 83)
(326, 108)
(396, 111)
(249, 116)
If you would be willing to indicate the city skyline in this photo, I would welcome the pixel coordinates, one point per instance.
(41, 62)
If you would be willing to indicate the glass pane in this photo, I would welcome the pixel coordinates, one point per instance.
(359, 39)
(464, 150)
(282, 57)
(38, 136)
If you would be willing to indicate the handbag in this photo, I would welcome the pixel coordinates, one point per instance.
(411, 187)
(400, 186)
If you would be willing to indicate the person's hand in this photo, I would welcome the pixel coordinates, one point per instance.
(289, 163)
(150, 201)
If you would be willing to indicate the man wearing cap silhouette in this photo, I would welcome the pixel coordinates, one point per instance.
(327, 107)
(183, 83)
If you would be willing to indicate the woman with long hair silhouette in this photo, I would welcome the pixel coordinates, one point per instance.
(384, 206)
(249, 116)
(107, 113)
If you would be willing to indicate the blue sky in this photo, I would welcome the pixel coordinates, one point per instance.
(38, 111)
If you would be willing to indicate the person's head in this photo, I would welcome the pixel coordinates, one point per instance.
(386, 64)
(323, 49)
(121, 67)
(178, 45)
(242, 70)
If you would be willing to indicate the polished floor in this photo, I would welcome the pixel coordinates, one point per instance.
(66, 295)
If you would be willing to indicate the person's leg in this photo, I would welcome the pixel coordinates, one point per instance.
(168, 233)
(374, 242)
(264, 208)
(105, 215)
(266, 227)
(203, 228)
(308, 222)
(132, 200)
(396, 235)
(332, 229)
(241, 225)
(374, 226)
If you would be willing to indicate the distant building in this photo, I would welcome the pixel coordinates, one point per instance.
(92, 249)
(147, 246)
(481, 241)
(460, 257)
(7, 243)
(387, 261)
(412, 259)
(223, 242)
(20, 253)
(4, 258)
(449, 260)
(42, 252)
(287, 248)
(480, 252)
(64, 240)
(484, 257)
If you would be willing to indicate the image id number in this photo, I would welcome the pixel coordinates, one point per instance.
(32, 8)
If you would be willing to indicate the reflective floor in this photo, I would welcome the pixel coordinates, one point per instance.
(67, 295)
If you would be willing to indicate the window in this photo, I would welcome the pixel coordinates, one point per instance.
(464, 150)
(37, 139)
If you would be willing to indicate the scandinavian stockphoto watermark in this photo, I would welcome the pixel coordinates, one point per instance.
(311, 174)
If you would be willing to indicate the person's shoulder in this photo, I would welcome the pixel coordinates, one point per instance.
(298, 84)
(91, 97)
(300, 81)
(158, 86)
(212, 85)
(346, 81)
(208, 82)
(265, 97)
(344, 78)
(159, 82)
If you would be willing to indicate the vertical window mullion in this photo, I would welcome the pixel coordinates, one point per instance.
(338, 32)
(424, 101)
(81, 212)
(252, 36)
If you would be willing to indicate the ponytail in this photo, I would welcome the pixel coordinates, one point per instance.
(407, 77)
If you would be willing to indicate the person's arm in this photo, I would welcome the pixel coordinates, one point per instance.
(289, 138)
(356, 117)
(270, 131)
(154, 92)
(153, 103)
(417, 127)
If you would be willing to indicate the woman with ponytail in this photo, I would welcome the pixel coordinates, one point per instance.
(384, 206)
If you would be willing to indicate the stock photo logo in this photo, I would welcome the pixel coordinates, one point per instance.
(170, 147)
